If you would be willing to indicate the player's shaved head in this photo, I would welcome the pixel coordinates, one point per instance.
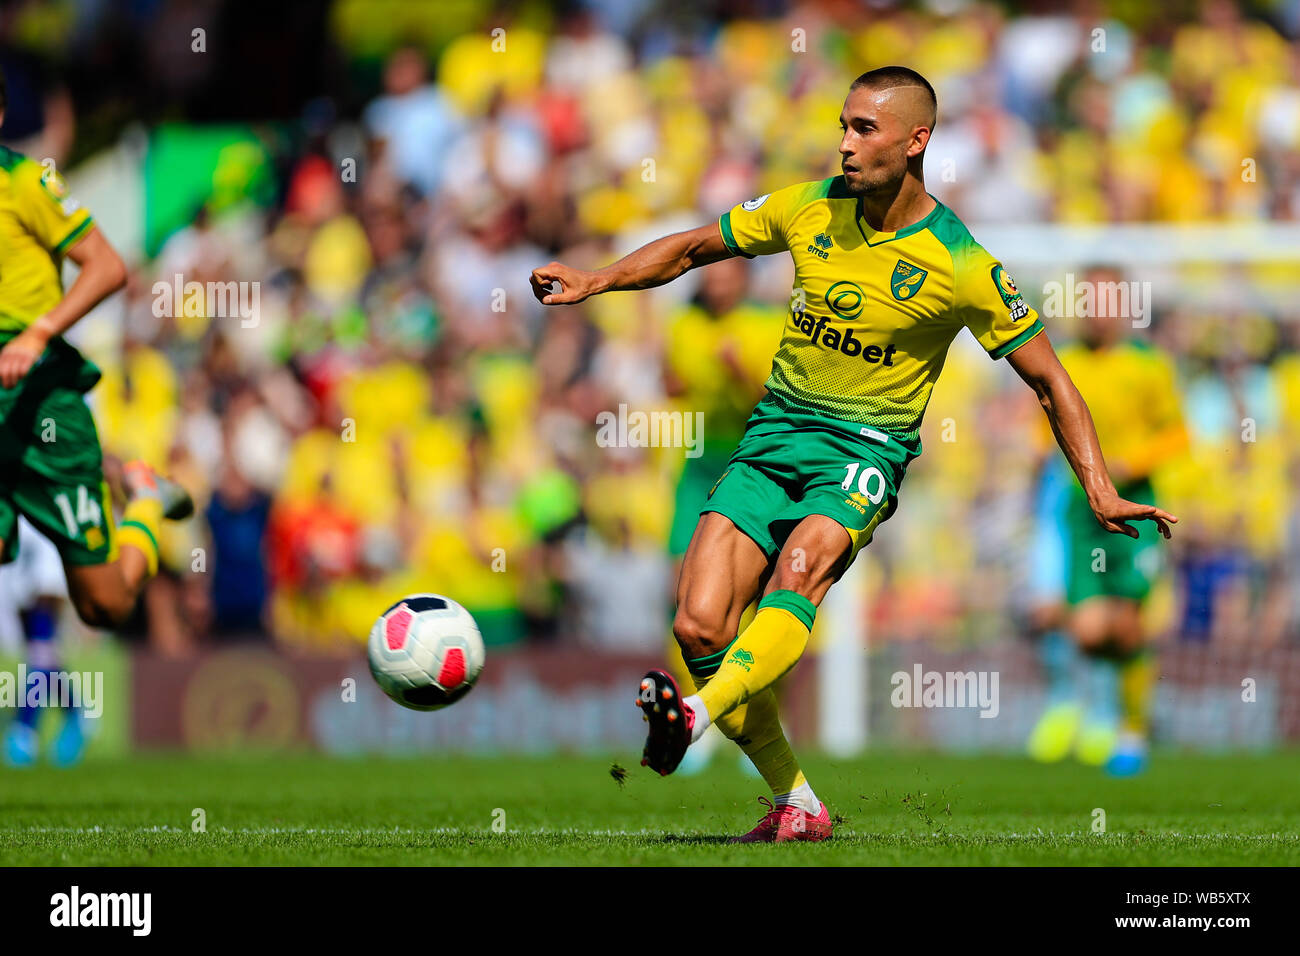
(887, 119)
(911, 95)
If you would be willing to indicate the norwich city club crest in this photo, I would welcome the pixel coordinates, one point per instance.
(907, 280)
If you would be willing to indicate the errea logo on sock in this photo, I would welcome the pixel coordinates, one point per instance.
(74, 908)
(741, 658)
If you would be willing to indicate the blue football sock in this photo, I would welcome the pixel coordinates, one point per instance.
(1103, 690)
(1057, 653)
(42, 658)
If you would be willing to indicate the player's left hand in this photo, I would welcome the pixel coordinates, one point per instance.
(20, 354)
(1115, 512)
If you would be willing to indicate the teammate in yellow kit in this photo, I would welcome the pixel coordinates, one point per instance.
(1130, 389)
(51, 467)
(885, 278)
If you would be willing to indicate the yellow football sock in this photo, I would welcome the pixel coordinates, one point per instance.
(770, 646)
(1137, 680)
(755, 726)
(139, 529)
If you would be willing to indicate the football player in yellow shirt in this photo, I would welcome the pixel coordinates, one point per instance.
(885, 277)
(51, 466)
(1131, 392)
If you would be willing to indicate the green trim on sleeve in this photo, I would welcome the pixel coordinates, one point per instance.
(73, 236)
(729, 237)
(1006, 348)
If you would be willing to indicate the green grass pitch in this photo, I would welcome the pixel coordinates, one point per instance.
(895, 809)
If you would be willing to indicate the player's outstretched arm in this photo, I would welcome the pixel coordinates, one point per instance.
(1036, 362)
(102, 274)
(655, 263)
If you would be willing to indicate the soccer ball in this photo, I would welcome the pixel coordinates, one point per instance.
(425, 651)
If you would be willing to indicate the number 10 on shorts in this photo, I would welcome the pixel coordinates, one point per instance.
(88, 511)
(871, 481)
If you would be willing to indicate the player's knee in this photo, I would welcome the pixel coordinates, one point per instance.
(1090, 625)
(1090, 639)
(698, 631)
(1128, 640)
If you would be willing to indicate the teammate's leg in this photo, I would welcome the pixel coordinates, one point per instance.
(1054, 734)
(60, 487)
(33, 586)
(1091, 626)
(1136, 668)
(21, 738)
(105, 594)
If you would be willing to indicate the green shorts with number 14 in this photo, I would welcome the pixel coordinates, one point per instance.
(792, 463)
(51, 467)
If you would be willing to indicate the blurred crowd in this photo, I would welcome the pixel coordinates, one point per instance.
(403, 416)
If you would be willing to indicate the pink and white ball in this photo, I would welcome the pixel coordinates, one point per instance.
(425, 652)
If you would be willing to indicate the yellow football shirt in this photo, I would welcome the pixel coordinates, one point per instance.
(39, 222)
(1131, 391)
(872, 313)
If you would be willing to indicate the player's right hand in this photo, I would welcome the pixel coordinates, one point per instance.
(575, 284)
(20, 354)
(1114, 513)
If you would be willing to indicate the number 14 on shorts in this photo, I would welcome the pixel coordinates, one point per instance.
(88, 511)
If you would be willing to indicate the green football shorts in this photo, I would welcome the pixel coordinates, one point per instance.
(792, 463)
(51, 467)
(697, 477)
(1101, 564)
